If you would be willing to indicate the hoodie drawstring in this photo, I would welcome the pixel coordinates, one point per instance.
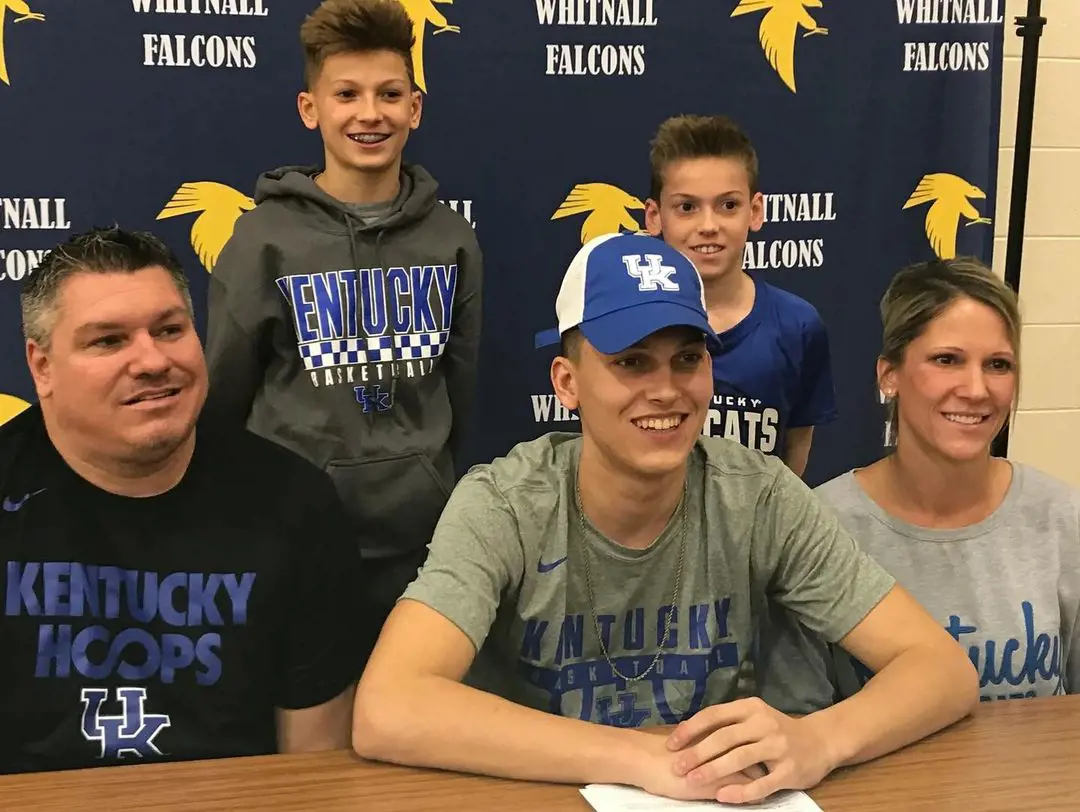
(386, 296)
(356, 267)
(386, 303)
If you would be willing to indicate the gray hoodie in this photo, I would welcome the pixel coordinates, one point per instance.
(352, 340)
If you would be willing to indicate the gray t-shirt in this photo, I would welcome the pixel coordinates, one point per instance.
(371, 213)
(506, 566)
(1007, 589)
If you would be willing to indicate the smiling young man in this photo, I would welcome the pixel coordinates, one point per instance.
(586, 584)
(174, 589)
(344, 313)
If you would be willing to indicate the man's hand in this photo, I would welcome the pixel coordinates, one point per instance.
(722, 740)
(657, 774)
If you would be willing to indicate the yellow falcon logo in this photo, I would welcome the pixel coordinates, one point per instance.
(951, 198)
(11, 406)
(20, 8)
(781, 23)
(423, 12)
(608, 208)
(220, 207)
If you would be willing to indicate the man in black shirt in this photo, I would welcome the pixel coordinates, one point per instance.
(172, 589)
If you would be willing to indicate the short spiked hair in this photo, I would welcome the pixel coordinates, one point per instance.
(685, 137)
(347, 26)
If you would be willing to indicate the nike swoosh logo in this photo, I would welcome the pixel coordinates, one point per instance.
(12, 505)
(542, 567)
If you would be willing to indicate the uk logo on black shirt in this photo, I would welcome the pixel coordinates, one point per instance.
(129, 733)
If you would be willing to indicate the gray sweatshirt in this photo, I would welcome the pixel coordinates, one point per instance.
(1007, 589)
(350, 335)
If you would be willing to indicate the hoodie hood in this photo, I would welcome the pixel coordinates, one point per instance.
(295, 187)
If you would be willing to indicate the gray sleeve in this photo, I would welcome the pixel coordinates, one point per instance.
(1071, 633)
(463, 347)
(236, 340)
(794, 666)
(1072, 664)
(812, 566)
(474, 558)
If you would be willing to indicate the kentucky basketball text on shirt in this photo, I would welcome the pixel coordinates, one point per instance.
(393, 322)
(55, 591)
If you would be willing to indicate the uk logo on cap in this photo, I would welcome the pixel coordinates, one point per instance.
(620, 288)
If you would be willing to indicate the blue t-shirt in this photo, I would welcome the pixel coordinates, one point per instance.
(773, 373)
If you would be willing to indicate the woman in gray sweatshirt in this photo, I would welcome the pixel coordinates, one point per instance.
(990, 547)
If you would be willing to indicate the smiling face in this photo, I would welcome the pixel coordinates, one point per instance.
(956, 383)
(706, 210)
(122, 376)
(364, 106)
(642, 409)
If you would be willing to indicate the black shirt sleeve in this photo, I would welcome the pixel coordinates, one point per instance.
(325, 639)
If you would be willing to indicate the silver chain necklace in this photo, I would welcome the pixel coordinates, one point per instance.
(592, 599)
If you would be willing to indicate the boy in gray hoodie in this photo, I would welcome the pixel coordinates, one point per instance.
(344, 313)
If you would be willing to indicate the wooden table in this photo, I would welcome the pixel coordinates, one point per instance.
(1011, 756)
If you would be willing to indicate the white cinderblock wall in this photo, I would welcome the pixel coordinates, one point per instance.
(1047, 429)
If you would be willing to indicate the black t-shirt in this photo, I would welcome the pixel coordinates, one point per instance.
(167, 627)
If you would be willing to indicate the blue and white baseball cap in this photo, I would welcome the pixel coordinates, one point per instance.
(620, 288)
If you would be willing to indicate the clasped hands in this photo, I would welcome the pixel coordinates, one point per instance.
(737, 752)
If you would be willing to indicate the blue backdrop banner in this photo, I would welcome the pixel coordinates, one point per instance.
(875, 122)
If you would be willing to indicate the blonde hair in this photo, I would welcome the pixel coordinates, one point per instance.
(919, 293)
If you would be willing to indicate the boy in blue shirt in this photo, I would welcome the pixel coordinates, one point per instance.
(344, 313)
(773, 375)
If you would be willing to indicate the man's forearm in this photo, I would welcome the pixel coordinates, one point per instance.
(435, 722)
(899, 706)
